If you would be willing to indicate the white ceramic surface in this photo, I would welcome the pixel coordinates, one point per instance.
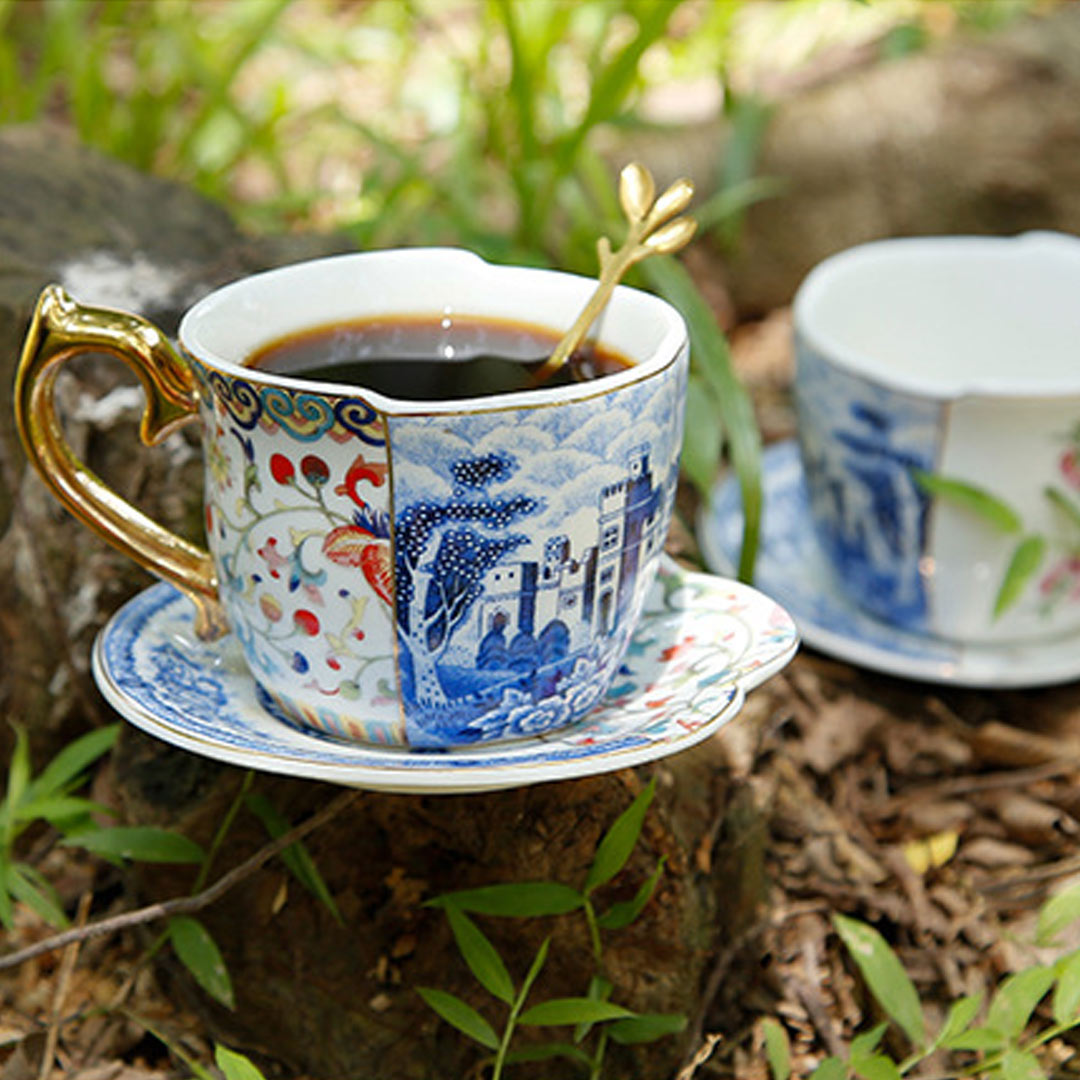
(792, 567)
(954, 358)
(702, 643)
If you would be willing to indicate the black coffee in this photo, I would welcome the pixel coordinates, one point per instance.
(431, 358)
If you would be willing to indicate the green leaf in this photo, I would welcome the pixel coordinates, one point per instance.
(617, 844)
(865, 1044)
(884, 975)
(75, 757)
(63, 810)
(648, 1027)
(235, 1066)
(1056, 914)
(831, 1068)
(777, 1048)
(525, 900)
(1066, 1001)
(140, 842)
(711, 360)
(978, 500)
(961, 1013)
(626, 911)
(198, 952)
(875, 1067)
(1015, 999)
(17, 780)
(560, 1011)
(1017, 1064)
(1023, 566)
(600, 989)
(460, 1015)
(547, 1051)
(703, 439)
(481, 956)
(535, 967)
(1064, 504)
(37, 893)
(296, 857)
(976, 1038)
(7, 909)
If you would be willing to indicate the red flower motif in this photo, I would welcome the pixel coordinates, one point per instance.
(315, 471)
(307, 621)
(281, 469)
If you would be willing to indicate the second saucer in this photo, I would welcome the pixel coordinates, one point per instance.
(792, 568)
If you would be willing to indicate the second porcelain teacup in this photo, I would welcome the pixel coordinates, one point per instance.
(938, 397)
(482, 561)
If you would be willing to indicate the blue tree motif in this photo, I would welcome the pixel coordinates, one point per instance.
(443, 551)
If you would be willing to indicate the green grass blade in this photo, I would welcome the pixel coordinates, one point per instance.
(198, 952)
(624, 912)
(548, 1051)
(978, 500)
(884, 975)
(777, 1048)
(710, 360)
(1059, 912)
(1015, 999)
(235, 1066)
(567, 1011)
(1066, 505)
(37, 893)
(18, 779)
(460, 1015)
(73, 759)
(614, 80)
(703, 436)
(1023, 566)
(648, 1027)
(1066, 1001)
(618, 842)
(523, 900)
(296, 856)
(143, 843)
(482, 957)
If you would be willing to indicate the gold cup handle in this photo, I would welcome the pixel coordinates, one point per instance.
(59, 330)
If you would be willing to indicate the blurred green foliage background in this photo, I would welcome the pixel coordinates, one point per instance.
(492, 124)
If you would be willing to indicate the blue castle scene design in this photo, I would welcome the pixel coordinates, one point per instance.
(518, 575)
(863, 446)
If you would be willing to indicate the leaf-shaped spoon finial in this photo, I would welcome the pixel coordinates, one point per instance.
(654, 230)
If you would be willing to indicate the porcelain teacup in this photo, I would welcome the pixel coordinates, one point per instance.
(938, 403)
(482, 561)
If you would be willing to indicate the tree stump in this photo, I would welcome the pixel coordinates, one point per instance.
(353, 986)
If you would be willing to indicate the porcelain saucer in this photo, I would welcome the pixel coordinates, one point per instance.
(702, 643)
(792, 567)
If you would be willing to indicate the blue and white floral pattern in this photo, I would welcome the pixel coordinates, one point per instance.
(701, 644)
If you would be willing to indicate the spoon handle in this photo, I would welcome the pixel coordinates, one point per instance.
(647, 235)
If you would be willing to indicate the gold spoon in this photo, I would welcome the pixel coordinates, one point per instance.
(648, 235)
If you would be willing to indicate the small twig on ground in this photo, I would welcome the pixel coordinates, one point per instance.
(720, 968)
(184, 905)
(704, 1052)
(67, 966)
(968, 785)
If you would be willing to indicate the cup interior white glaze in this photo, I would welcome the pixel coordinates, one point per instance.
(231, 324)
(949, 316)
